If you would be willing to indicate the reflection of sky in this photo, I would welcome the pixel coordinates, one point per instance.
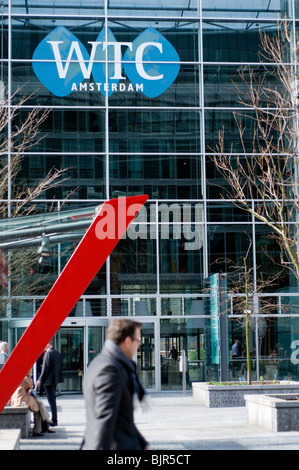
(262, 9)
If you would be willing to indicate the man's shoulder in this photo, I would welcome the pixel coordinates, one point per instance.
(104, 361)
(103, 357)
(52, 354)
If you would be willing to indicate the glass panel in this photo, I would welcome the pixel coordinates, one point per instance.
(31, 274)
(224, 84)
(96, 339)
(171, 306)
(74, 132)
(70, 341)
(90, 308)
(158, 176)
(181, 252)
(217, 120)
(133, 267)
(26, 83)
(154, 9)
(278, 348)
(26, 36)
(154, 131)
(145, 306)
(194, 306)
(226, 212)
(182, 35)
(185, 91)
(58, 7)
(146, 356)
(98, 286)
(122, 307)
(228, 244)
(3, 331)
(226, 41)
(22, 308)
(3, 41)
(268, 258)
(176, 336)
(86, 172)
(5, 7)
(180, 270)
(237, 350)
(17, 333)
(274, 9)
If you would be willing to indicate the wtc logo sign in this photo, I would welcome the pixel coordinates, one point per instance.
(63, 64)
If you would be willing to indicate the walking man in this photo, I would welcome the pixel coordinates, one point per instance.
(50, 377)
(109, 387)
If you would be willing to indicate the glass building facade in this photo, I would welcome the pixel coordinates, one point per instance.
(138, 92)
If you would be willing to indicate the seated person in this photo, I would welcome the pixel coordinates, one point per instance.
(23, 394)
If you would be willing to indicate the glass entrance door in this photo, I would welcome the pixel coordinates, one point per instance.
(70, 345)
(178, 336)
(95, 340)
(146, 357)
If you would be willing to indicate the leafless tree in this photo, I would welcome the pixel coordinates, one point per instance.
(262, 178)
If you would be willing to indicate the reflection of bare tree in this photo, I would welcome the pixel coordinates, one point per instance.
(21, 197)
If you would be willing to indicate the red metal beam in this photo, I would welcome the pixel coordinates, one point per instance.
(91, 253)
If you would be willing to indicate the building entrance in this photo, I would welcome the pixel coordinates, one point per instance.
(78, 346)
(70, 343)
(146, 356)
(162, 343)
(175, 338)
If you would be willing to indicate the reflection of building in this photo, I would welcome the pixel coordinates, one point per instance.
(131, 143)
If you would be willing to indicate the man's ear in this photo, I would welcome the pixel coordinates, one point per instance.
(127, 342)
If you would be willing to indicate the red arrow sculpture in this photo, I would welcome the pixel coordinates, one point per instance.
(96, 245)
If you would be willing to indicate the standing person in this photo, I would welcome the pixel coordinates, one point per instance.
(236, 349)
(173, 353)
(4, 349)
(39, 367)
(50, 376)
(109, 387)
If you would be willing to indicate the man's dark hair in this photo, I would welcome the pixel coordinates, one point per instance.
(120, 328)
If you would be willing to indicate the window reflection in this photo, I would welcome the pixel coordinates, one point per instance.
(225, 41)
(272, 9)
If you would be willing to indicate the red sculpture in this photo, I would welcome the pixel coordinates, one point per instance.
(91, 253)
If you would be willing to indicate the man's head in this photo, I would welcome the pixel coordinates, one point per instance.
(4, 348)
(125, 334)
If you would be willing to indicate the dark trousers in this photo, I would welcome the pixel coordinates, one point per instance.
(51, 396)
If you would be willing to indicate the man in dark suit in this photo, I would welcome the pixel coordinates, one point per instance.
(51, 375)
(109, 387)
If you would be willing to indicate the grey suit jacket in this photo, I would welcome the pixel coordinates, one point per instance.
(108, 390)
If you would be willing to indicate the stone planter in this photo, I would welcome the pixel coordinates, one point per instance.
(220, 396)
(276, 413)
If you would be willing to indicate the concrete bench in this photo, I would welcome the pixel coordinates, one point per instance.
(10, 439)
(16, 417)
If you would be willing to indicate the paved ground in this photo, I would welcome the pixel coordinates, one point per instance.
(170, 421)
